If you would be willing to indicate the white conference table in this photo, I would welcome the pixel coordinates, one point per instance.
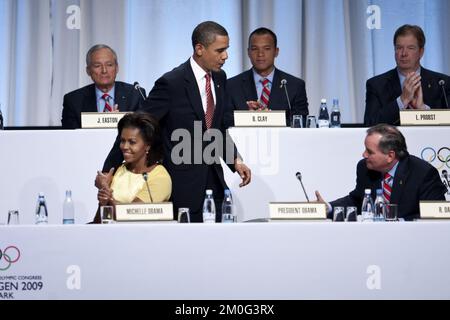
(284, 260)
(52, 161)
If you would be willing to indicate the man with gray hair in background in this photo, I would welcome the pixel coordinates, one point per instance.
(387, 165)
(105, 94)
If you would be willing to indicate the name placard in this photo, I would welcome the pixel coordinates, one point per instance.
(298, 210)
(162, 211)
(269, 118)
(434, 209)
(433, 117)
(98, 120)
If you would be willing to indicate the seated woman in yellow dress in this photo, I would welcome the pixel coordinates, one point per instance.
(141, 177)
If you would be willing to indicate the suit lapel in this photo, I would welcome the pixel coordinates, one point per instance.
(193, 92)
(218, 87)
(394, 87)
(276, 91)
(248, 84)
(120, 97)
(90, 100)
(401, 175)
(427, 85)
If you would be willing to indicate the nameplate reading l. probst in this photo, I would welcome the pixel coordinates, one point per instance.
(297, 210)
(433, 117)
(162, 211)
(100, 120)
(269, 118)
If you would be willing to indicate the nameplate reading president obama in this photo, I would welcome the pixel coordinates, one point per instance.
(100, 120)
(267, 118)
(297, 211)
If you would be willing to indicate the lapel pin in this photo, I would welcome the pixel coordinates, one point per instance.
(429, 86)
(400, 182)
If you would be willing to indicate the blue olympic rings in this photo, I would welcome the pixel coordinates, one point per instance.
(7, 257)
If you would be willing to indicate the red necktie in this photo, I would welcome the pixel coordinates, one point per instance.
(209, 102)
(264, 99)
(108, 107)
(387, 189)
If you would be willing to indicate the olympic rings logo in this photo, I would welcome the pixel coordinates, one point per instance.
(443, 155)
(10, 255)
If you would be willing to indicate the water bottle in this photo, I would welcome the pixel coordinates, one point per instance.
(68, 209)
(335, 115)
(209, 208)
(379, 206)
(227, 208)
(41, 210)
(324, 117)
(367, 208)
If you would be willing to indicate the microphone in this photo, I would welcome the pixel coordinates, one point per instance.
(145, 176)
(138, 88)
(283, 83)
(299, 177)
(442, 84)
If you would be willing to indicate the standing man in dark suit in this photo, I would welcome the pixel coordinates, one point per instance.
(190, 103)
(105, 94)
(387, 165)
(409, 85)
(262, 87)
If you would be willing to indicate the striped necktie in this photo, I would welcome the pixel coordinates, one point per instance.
(264, 99)
(387, 187)
(107, 107)
(209, 102)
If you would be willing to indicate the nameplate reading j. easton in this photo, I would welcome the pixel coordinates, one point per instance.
(433, 117)
(297, 210)
(434, 209)
(268, 118)
(100, 120)
(162, 211)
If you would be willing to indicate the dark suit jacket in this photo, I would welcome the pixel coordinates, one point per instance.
(242, 88)
(414, 180)
(175, 100)
(84, 100)
(383, 90)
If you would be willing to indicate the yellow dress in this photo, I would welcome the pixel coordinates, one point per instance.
(127, 186)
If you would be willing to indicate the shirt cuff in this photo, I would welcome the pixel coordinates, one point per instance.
(400, 104)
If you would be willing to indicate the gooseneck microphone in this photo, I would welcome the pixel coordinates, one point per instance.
(284, 84)
(299, 177)
(145, 175)
(138, 88)
(442, 84)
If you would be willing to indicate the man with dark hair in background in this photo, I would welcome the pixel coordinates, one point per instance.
(409, 85)
(105, 94)
(262, 87)
(191, 99)
(387, 165)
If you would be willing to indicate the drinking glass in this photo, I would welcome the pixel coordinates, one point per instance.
(351, 214)
(311, 122)
(338, 214)
(184, 215)
(391, 212)
(107, 214)
(13, 217)
(297, 121)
